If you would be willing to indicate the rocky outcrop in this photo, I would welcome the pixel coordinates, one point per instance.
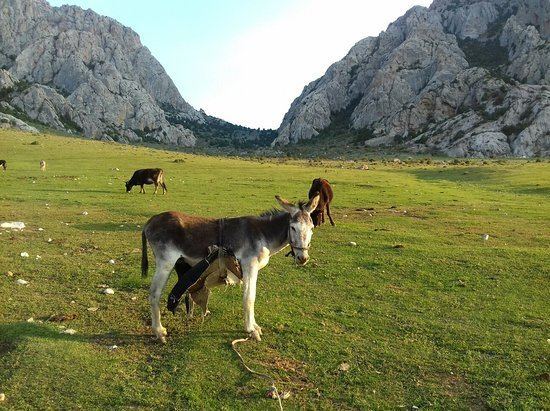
(462, 77)
(8, 121)
(76, 70)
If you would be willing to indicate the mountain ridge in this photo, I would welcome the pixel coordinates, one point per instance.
(462, 78)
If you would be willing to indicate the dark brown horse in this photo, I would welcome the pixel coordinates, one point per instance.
(253, 240)
(321, 187)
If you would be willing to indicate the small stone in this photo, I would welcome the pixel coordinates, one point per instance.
(108, 291)
(38, 257)
(133, 298)
(30, 320)
(113, 347)
(24, 254)
(2, 397)
(22, 282)
(345, 215)
(69, 331)
(485, 237)
(353, 243)
(111, 261)
(73, 302)
(344, 367)
(49, 240)
(9, 274)
(84, 213)
(92, 309)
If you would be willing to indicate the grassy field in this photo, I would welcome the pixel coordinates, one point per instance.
(425, 312)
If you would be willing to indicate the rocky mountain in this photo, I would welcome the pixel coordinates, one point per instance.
(75, 70)
(462, 77)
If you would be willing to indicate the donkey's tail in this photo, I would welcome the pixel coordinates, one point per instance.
(144, 260)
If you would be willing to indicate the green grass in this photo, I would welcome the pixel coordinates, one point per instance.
(447, 321)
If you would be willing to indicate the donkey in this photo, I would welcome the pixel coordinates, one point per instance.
(252, 239)
(322, 187)
(3, 164)
(147, 176)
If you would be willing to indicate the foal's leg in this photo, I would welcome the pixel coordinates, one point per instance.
(329, 216)
(156, 188)
(164, 264)
(142, 189)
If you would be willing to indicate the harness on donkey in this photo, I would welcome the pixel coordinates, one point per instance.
(196, 281)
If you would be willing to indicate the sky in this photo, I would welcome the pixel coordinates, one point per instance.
(245, 61)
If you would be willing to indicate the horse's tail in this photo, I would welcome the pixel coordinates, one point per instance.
(144, 260)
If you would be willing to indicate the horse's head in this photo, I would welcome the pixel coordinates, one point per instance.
(128, 186)
(300, 227)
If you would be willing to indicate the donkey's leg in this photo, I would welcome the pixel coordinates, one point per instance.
(164, 264)
(156, 188)
(329, 216)
(250, 276)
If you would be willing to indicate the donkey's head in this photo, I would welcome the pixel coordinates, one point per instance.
(128, 185)
(300, 227)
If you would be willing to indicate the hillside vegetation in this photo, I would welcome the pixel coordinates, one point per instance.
(425, 312)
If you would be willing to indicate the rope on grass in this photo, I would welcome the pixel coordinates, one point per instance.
(273, 387)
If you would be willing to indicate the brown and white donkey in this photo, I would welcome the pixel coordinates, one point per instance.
(252, 239)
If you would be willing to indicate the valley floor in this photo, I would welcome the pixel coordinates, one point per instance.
(424, 310)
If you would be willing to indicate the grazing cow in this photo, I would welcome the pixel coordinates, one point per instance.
(253, 240)
(147, 176)
(322, 187)
(42, 165)
(3, 164)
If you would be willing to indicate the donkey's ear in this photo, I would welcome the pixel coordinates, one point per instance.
(312, 203)
(287, 206)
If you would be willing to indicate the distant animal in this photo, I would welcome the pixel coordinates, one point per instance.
(252, 240)
(322, 187)
(42, 165)
(147, 176)
(3, 164)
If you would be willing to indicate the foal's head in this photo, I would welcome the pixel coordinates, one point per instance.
(300, 228)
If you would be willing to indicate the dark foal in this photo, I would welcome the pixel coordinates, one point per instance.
(322, 187)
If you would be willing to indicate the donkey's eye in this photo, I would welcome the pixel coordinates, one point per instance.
(293, 229)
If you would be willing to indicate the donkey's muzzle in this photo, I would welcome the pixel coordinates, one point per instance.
(301, 259)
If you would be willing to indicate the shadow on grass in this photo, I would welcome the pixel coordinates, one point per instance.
(106, 227)
(60, 190)
(476, 175)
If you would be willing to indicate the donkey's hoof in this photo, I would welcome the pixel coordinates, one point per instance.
(258, 329)
(255, 335)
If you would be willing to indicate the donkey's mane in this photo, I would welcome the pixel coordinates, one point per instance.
(272, 212)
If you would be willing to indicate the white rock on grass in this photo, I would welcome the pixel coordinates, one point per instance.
(69, 331)
(9, 274)
(24, 254)
(2, 397)
(30, 320)
(22, 282)
(113, 347)
(485, 237)
(344, 367)
(353, 243)
(108, 291)
(14, 225)
(84, 213)
(111, 261)
(92, 309)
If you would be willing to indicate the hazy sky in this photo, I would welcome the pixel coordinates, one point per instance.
(246, 60)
